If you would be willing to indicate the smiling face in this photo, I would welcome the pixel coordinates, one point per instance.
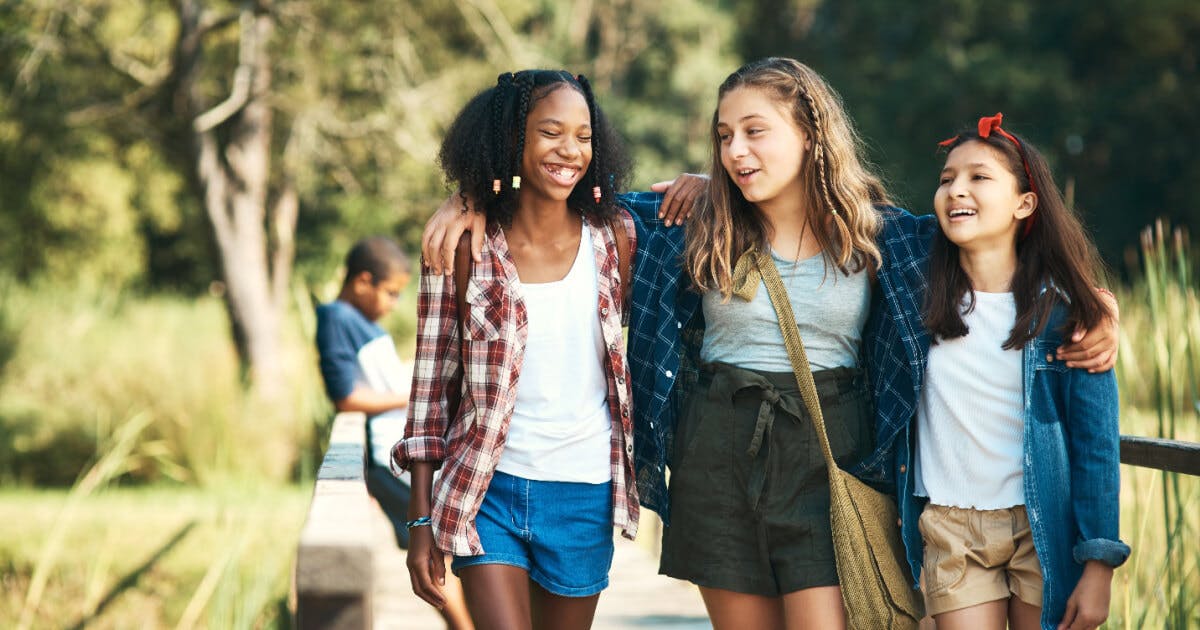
(558, 144)
(762, 148)
(978, 203)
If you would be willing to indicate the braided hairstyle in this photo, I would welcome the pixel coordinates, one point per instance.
(486, 142)
(840, 189)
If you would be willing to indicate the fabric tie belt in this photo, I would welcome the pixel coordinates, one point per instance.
(777, 392)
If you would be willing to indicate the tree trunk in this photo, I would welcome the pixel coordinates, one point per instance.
(231, 149)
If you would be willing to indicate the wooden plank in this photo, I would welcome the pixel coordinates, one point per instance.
(1169, 455)
(335, 570)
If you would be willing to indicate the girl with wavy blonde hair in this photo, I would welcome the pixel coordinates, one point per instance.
(838, 191)
(749, 491)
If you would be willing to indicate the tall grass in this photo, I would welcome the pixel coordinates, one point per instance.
(83, 361)
(1158, 368)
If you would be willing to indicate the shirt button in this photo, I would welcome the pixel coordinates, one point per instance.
(629, 449)
(670, 374)
(899, 522)
(625, 412)
(612, 347)
(620, 380)
(903, 468)
(679, 324)
(604, 311)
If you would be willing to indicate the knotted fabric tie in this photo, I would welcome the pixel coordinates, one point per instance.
(746, 276)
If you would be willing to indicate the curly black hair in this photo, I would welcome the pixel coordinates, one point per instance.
(487, 139)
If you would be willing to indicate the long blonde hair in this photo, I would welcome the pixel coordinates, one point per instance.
(840, 191)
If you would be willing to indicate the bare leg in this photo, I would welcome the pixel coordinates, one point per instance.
(455, 613)
(816, 608)
(988, 616)
(555, 612)
(497, 596)
(730, 611)
(1023, 616)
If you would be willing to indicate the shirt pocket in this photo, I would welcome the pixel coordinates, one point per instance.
(485, 310)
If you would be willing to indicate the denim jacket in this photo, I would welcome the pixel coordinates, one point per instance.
(1071, 470)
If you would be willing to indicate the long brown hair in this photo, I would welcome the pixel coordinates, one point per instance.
(1055, 260)
(839, 189)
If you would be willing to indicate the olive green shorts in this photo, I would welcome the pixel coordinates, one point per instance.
(749, 488)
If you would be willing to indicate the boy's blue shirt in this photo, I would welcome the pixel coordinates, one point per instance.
(342, 333)
(666, 330)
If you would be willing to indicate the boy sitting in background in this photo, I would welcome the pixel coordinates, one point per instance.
(363, 373)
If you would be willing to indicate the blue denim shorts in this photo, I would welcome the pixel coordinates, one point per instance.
(560, 532)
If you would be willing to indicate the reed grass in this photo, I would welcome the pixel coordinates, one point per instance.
(1157, 369)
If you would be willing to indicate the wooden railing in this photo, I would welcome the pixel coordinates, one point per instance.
(334, 568)
(1169, 455)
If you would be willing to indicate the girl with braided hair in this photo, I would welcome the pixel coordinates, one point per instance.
(521, 391)
(746, 515)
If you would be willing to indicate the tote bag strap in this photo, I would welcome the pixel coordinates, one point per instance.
(795, 347)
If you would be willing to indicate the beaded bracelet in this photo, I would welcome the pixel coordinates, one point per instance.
(419, 522)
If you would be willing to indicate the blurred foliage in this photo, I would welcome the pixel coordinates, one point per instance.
(99, 210)
(88, 360)
(363, 92)
(1105, 88)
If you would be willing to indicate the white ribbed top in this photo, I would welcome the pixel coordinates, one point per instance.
(970, 419)
(561, 429)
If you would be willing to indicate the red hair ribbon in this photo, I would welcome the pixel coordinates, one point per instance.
(987, 125)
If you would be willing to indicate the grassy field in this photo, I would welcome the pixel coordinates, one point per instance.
(151, 557)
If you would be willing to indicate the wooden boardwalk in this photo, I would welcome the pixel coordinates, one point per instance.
(637, 597)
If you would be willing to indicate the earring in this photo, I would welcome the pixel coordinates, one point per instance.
(596, 193)
(516, 182)
(495, 186)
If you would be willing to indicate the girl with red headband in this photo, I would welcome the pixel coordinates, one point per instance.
(1016, 454)
(747, 511)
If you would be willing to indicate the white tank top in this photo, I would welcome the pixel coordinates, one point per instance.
(970, 421)
(561, 429)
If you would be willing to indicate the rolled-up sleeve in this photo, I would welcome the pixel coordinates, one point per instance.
(1095, 454)
(437, 374)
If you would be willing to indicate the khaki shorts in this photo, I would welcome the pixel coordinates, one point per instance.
(977, 556)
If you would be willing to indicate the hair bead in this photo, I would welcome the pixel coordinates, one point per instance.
(516, 183)
(495, 186)
(596, 193)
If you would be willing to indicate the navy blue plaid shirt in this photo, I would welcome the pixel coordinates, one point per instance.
(666, 328)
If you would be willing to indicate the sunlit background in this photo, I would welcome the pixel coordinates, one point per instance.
(180, 180)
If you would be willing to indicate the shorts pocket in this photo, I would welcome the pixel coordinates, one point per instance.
(691, 423)
(849, 426)
(945, 562)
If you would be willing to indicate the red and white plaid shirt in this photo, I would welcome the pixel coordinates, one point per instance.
(468, 445)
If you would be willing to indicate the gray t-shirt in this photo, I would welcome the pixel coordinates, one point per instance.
(830, 308)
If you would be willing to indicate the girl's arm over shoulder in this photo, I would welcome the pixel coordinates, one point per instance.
(444, 229)
(679, 197)
(437, 373)
(1095, 350)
